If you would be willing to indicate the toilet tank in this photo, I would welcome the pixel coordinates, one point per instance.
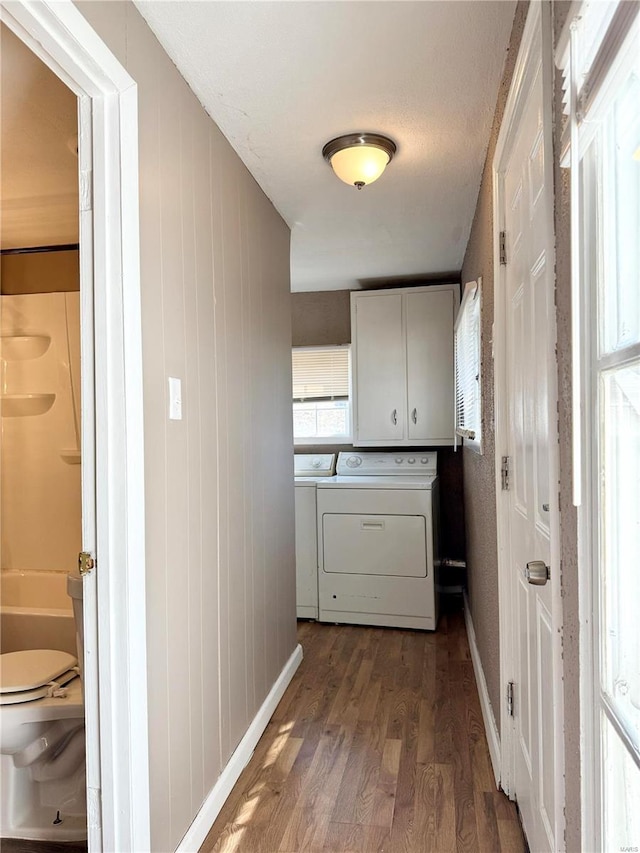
(75, 591)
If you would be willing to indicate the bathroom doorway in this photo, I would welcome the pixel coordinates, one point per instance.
(109, 418)
(43, 793)
(40, 318)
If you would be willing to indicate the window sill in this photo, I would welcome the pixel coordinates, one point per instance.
(473, 444)
(312, 441)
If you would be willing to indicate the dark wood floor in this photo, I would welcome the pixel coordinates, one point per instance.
(377, 745)
(18, 845)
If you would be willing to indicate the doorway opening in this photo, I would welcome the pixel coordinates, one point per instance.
(44, 790)
(110, 426)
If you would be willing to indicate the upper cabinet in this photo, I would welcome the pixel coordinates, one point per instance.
(402, 362)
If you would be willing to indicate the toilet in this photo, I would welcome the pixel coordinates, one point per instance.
(42, 741)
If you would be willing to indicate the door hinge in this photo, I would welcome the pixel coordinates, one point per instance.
(503, 248)
(85, 562)
(510, 698)
(504, 471)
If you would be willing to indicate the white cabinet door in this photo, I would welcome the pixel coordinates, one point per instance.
(429, 329)
(380, 400)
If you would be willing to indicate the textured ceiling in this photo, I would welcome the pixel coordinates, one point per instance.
(282, 78)
(39, 169)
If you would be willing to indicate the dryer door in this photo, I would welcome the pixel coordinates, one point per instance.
(392, 545)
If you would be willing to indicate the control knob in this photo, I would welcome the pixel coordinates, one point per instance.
(354, 461)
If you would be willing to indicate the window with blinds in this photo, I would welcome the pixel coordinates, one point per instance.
(320, 373)
(467, 337)
(321, 405)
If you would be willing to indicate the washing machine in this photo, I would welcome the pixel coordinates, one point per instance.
(309, 469)
(378, 540)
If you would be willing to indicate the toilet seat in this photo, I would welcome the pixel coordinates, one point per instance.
(34, 674)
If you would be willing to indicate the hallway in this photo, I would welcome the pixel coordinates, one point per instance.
(377, 745)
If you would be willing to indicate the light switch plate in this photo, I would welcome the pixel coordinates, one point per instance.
(175, 399)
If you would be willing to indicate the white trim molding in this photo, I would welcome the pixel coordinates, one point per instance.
(115, 683)
(210, 809)
(490, 726)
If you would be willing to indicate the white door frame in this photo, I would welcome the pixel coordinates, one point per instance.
(112, 429)
(538, 24)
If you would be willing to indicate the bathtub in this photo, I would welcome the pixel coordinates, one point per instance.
(35, 612)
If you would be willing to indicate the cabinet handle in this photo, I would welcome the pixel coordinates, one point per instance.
(394, 417)
(414, 416)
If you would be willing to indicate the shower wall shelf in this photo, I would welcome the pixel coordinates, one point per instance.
(23, 347)
(25, 405)
(71, 457)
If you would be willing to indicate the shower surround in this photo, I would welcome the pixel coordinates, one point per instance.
(40, 461)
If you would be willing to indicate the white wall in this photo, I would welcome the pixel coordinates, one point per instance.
(219, 491)
(40, 480)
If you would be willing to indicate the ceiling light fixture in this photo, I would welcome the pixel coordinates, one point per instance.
(359, 158)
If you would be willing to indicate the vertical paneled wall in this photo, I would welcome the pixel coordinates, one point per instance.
(219, 492)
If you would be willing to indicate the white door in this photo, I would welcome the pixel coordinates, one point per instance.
(528, 505)
(379, 365)
(429, 322)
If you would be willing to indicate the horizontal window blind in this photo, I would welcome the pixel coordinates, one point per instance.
(589, 51)
(320, 373)
(467, 364)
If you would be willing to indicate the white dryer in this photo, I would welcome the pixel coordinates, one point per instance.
(309, 469)
(378, 540)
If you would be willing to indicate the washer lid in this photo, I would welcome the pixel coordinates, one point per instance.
(314, 464)
(33, 668)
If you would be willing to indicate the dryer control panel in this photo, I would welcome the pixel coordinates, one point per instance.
(354, 463)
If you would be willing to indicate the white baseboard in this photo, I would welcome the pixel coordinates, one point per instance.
(493, 737)
(211, 807)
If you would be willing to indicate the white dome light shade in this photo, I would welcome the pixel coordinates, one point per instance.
(361, 165)
(359, 158)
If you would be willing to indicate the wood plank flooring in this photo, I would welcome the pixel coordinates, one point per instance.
(377, 746)
(19, 845)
